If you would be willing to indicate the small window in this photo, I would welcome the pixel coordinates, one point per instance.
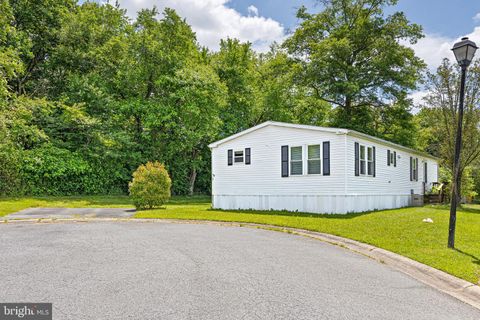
(363, 162)
(296, 161)
(314, 159)
(370, 161)
(238, 156)
(392, 157)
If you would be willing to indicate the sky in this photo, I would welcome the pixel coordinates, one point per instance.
(264, 21)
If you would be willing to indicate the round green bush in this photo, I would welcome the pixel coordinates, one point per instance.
(150, 186)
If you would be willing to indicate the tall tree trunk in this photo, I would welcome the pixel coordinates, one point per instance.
(191, 184)
(348, 109)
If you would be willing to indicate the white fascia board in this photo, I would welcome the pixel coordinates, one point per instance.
(392, 144)
(277, 124)
(352, 133)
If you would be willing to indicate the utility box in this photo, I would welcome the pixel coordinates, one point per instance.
(417, 200)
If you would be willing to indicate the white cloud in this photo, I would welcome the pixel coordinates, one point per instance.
(476, 18)
(213, 20)
(434, 48)
(253, 11)
(417, 97)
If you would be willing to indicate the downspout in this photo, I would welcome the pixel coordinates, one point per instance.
(212, 177)
(346, 171)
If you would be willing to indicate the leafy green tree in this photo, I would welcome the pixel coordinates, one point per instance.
(189, 119)
(281, 98)
(354, 57)
(88, 94)
(10, 62)
(396, 123)
(438, 117)
(91, 41)
(38, 24)
(236, 65)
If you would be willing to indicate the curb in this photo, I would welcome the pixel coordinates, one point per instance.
(460, 289)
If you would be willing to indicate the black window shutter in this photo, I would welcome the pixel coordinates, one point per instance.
(411, 169)
(230, 157)
(326, 158)
(247, 155)
(388, 157)
(394, 158)
(357, 159)
(284, 161)
(425, 173)
(374, 161)
(416, 169)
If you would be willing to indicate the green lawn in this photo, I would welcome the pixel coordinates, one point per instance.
(401, 230)
(9, 205)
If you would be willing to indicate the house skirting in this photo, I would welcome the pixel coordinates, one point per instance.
(332, 204)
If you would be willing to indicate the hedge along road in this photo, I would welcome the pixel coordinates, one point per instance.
(141, 270)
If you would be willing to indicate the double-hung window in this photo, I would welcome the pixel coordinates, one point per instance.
(314, 159)
(415, 169)
(363, 162)
(238, 156)
(366, 161)
(370, 161)
(296, 160)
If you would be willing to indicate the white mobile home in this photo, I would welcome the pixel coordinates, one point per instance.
(282, 166)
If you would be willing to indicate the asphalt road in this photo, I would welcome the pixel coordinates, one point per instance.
(140, 270)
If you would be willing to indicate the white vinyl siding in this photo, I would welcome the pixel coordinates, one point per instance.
(389, 179)
(264, 175)
(261, 185)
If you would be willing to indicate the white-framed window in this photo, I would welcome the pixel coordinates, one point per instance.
(370, 161)
(296, 161)
(363, 160)
(366, 161)
(313, 160)
(238, 156)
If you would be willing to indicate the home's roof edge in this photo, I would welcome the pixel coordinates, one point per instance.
(325, 129)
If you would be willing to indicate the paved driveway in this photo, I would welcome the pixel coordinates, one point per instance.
(65, 213)
(145, 270)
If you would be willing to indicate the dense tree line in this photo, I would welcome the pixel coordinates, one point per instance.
(87, 94)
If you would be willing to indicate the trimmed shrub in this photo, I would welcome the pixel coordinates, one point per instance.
(150, 186)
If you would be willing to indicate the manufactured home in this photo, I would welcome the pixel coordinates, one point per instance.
(283, 166)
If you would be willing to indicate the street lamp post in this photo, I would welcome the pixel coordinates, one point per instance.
(464, 52)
